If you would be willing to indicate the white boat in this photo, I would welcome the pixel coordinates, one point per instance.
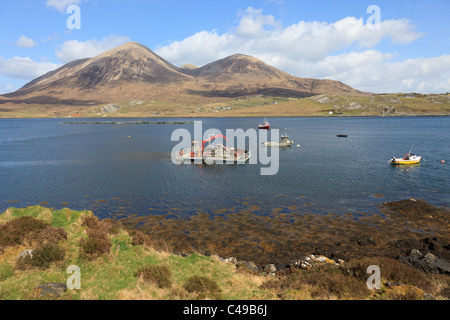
(407, 159)
(285, 142)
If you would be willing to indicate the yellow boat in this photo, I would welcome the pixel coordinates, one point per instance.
(407, 159)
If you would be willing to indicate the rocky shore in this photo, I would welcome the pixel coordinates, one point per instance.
(411, 231)
(246, 256)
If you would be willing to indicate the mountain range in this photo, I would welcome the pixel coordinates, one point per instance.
(134, 72)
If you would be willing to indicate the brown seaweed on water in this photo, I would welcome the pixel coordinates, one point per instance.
(281, 239)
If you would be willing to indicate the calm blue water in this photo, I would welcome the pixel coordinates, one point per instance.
(126, 169)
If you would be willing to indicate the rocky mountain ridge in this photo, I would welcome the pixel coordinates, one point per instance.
(132, 71)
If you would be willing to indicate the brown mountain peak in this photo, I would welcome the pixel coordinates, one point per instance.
(133, 71)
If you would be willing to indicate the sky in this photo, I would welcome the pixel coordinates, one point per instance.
(377, 46)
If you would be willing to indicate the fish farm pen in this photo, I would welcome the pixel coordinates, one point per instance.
(129, 122)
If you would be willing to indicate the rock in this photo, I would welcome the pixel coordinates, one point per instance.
(270, 268)
(26, 254)
(310, 261)
(354, 106)
(364, 241)
(51, 290)
(290, 268)
(437, 246)
(428, 263)
(249, 265)
(415, 254)
(428, 296)
(413, 207)
(231, 260)
(437, 264)
(135, 103)
(111, 108)
(324, 100)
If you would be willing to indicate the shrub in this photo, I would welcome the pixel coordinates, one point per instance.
(203, 285)
(114, 229)
(47, 253)
(391, 270)
(324, 282)
(42, 258)
(53, 235)
(138, 238)
(98, 233)
(20, 230)
(95, 247)
(98, 242)
(160, 275)
(90, 222)
(25, 263)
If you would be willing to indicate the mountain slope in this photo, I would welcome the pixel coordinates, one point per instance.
(240, 75)
(132, 71)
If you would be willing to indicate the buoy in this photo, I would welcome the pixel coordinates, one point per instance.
(442, 161)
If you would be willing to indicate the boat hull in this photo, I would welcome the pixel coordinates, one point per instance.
(405, 162)
(209, 160)
(278, 144)
(215, 154)
(264, 125)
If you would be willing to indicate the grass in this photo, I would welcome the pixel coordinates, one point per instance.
(251, 106)
(130, 268)
(115, 273)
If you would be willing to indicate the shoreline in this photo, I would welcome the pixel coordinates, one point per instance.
(230, 117)
(281, 238)
(416, 268)
(260, 106)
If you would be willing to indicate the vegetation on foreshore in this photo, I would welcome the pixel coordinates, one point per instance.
(392, 104)
(121, 264)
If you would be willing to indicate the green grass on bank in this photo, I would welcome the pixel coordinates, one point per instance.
(113, 274)
(120, 264)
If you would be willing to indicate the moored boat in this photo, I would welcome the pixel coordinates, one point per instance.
(407, 159)
(285, 142)
(213, 153)
(264, 125)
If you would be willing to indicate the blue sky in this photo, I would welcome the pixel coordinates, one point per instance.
(410, 51)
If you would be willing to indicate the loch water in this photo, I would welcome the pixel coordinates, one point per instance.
(126, 169)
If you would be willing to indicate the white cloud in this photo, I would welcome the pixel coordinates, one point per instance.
(254, 24)
(260, 35)
(24, 68)
(25, 42)
(74, 49)
(199, 49)
(61, 5)
(374, 71)
(314, 50)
